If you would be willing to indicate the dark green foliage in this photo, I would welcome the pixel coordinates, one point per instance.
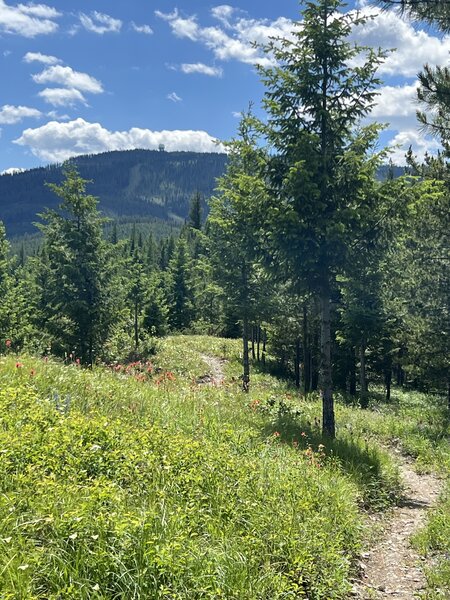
(314, 101)
(179, 294)
(435, 12)
(77, 295)
(139, 183)
(195, 212)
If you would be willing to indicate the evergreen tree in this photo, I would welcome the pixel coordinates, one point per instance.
(314, 100)
(195, 212)
(77, 295)
(233, 232)
(179, 292)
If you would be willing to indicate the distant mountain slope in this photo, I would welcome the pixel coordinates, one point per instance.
(131, 183)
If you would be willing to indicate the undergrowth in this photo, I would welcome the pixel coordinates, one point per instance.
(143, 482)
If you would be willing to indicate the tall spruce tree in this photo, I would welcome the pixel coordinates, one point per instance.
(314, 100)
(76, 295)
(233, 231)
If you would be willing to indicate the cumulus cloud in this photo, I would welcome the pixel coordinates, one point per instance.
(100, 23)
(68, 77)
(42, 58)
(174, 97)
(237, 42)
(181, 26)
(396, 105)
(146, 29)
(60, 141)
(412, 45)
(420, 144)
(28, 20)
(190, 68)
(14, 114)
(62, 96)
(223, 13)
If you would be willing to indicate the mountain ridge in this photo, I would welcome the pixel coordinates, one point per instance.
(129, 183)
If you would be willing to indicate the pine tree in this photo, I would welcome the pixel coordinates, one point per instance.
(195, 212)
(233, 233)
(79, 305)
(314, 100)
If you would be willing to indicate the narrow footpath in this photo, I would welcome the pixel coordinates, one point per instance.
(215, 374)
(392, 568)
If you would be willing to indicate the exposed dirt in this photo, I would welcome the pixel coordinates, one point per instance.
(392, 568)
(215, 374)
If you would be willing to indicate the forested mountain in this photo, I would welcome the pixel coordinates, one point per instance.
(131, 183)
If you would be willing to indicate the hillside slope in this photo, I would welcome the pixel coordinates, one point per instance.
(131, 183)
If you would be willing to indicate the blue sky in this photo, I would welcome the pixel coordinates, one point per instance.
(86, 76)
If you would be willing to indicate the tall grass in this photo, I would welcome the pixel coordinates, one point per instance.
(145, 483)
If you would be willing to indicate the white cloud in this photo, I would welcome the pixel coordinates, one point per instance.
(12, 171)
(146, 29)
(100, 23)
(42, 58)
(68, 77)
(419, 143)
(62, 96)
(190, 68)
(174, 97)
(53, 114)
(181, 26)
(39, 10)
(60, 141)
(223, 13)
(28, 20)
(413, 45)
(396, 105)
(237, 42)
(14, 114)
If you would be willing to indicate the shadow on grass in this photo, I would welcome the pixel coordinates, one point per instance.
(367, 466)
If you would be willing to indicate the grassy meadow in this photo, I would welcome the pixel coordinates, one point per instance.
(140, 481)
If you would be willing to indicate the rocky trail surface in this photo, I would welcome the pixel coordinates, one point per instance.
(215, 374)
(392, 568)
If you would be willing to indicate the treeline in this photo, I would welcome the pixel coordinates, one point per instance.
(130, 183)
(332, 276)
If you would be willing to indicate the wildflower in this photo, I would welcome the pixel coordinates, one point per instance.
(77, 361)
(19, 365)
(8, 343)
(321, 447)
(32, 373)
(170, 376)
(303, 434)
(276, 434)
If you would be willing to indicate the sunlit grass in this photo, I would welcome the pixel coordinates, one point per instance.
(135, 484)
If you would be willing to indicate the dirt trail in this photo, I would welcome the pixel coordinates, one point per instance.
(392, 568)
(215, 366)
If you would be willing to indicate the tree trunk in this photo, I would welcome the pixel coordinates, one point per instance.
(314, 370)
(253, 342)
(328, 421)
(363, 374)
(388, 382)
(258, 342)
(306, 354)
(264, 340)
(245, 356)
(297, 363)
(352, 382)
